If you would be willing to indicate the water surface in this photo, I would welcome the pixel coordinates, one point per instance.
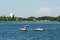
(11, 31)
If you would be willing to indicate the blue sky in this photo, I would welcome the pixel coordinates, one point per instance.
(27, 8)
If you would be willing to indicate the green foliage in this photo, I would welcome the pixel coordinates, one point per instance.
(58, 18)
(17, 19)
(4, 18)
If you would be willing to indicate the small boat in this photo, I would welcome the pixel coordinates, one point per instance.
(39, 29)
(24, 28)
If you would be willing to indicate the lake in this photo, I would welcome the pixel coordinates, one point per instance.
(11, 30)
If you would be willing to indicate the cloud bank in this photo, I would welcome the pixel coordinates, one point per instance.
(50, 11)
(44, 10)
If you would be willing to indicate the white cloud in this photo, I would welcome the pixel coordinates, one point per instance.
(44, 10)
(48, 11)
(56, 8)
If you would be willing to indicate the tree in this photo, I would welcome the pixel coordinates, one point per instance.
(4, 18)
(17, 19)
(58, 18)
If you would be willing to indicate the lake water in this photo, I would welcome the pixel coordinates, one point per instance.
(11, 31)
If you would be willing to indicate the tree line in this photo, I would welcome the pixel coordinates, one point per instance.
(49, 18)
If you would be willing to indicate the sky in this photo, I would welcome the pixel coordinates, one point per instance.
(27, 8)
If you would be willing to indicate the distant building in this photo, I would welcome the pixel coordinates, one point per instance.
(11, 14)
